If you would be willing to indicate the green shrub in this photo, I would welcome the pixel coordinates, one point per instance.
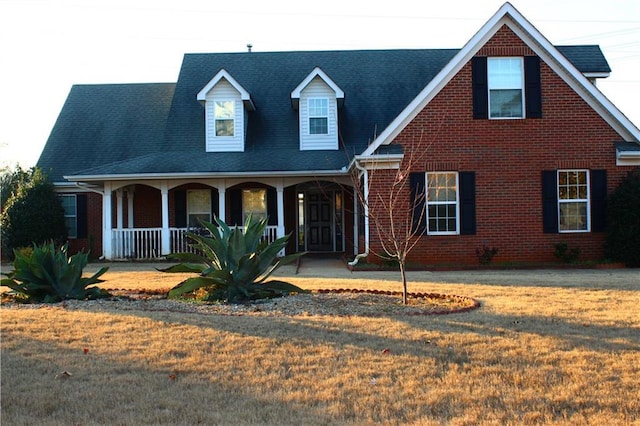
(233, 265)
(48, 275)
(486, 254)
(622, 243)
(33, 214)
(566, 254)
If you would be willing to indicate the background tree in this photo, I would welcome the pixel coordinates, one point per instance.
(623, 221)
(10, 180)
(32, 214)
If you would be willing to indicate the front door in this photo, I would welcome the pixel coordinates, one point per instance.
(320, 222)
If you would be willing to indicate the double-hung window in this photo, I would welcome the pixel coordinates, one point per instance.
(254, 202)
(69, 203)
(318, 116)
(198, 206)
(505, 78)
(224, 115)
(442, 203)
(573, 200)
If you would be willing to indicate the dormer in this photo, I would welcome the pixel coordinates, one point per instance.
(225, 105)
(317, 99)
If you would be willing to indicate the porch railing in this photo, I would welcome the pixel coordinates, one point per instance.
(137, 243)
(146, 243)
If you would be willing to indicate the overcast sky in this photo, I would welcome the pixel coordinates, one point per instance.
(46, 46)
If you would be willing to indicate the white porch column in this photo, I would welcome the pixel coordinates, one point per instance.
(356, 238)
(130, 192)
(165, 234)
(106, 222)
(119, 209)
(222, 206)
(280, 191)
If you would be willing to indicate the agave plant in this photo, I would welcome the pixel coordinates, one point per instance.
(47, 274)
(233, 265)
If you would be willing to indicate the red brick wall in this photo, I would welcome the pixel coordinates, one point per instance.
(508, 157)
(93, 242)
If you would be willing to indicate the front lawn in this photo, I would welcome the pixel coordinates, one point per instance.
(562, 350)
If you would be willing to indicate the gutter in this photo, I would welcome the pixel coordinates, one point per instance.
(200, 175)
(365, 173)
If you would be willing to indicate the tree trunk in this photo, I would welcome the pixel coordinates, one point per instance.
(403, 274)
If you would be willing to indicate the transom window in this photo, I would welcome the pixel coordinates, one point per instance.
(198, 206)
(224, 113)
(70, 205)
(505, 77)
(442, 203)
(573, 200)
(318, 116)
(254, 202)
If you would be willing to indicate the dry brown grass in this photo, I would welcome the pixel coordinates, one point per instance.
(550, 347)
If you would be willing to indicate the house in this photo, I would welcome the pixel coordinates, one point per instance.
(516, 148)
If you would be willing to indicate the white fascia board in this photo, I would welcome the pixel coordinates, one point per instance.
(508, 15)
(244, 95)
(317, 72)
(378, 162)
(198, 175)
(597, 74)
(627, 158)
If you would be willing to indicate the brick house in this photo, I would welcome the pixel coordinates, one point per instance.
(508, 139)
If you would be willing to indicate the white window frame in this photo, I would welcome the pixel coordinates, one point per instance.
(195, 211)
(492, 84)
(217, 118)
(577, 200)
(429, 203)
(71, 233)
(316, 116)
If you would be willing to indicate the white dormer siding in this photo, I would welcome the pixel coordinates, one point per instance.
(233, 102)
(224, 92)
(313, 94)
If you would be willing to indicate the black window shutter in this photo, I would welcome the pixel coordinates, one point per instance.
(467, 203)
(180, 208)
(215, 205)
(532, 87)
(81, 215)
(550, 201)
(480, 87)
(418, 202)
(235, 207)
(272, 206)
(598, 200)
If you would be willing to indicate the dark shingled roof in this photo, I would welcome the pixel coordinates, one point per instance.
(131, 129)
(587, 59)
(103, 124)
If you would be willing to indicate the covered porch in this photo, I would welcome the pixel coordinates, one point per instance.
(144, 220)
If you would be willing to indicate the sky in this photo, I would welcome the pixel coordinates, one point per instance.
(46, 46)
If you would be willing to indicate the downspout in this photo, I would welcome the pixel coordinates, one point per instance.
(365, 191)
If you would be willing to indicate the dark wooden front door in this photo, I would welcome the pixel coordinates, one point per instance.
(320, 222)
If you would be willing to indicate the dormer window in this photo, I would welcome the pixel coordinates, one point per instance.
(224, 117)
(318, 98)
(506, 87)
(318, 116)
(226, 104)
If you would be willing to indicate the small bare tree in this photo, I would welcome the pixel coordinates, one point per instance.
(394, 209)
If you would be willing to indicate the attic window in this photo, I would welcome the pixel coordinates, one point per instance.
(318, 116)
(224, 118)
(506, 87)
